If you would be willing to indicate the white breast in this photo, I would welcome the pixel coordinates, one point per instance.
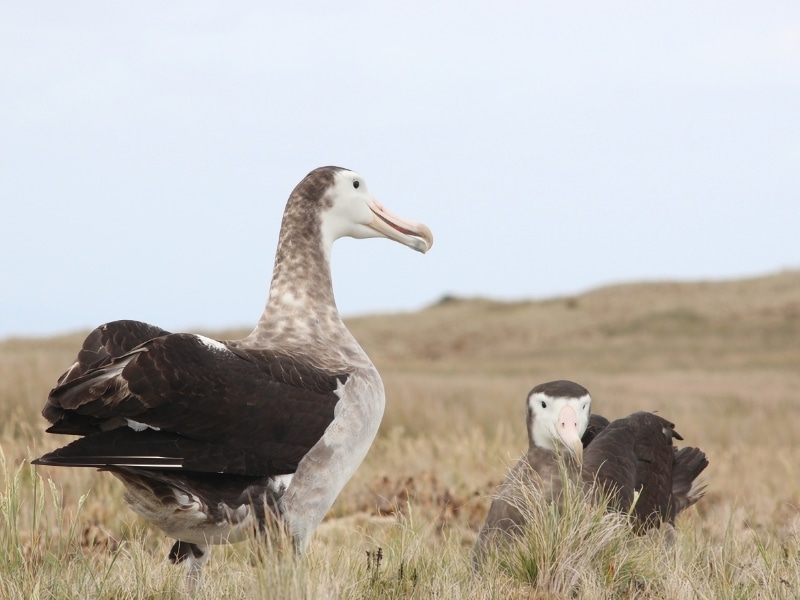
(325, 470)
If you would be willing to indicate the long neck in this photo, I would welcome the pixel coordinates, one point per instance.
(301, 314)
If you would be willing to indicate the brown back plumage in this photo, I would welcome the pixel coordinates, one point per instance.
(635, 454)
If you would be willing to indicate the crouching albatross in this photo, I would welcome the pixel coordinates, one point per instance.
(629, 458)
(213, 439)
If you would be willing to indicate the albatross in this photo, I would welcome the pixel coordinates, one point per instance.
(629, 458)
(214, 439)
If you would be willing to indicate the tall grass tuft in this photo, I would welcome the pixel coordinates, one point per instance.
(574, 545)
(41, 540)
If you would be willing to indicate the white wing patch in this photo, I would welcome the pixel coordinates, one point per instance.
(136, 426)
(213, 344)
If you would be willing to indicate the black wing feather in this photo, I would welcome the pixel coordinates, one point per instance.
(110, 341)
(635, 454)
(597, 423)
(215, 409)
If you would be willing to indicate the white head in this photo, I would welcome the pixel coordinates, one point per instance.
(558, 414)
(354, 212)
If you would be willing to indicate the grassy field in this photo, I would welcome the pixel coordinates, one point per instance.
(721, 360)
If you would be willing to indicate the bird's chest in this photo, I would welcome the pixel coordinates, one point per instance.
(326, 468)
(345, 442)
(357, 416)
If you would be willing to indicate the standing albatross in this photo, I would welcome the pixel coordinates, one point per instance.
(212, 438)
(629, 458)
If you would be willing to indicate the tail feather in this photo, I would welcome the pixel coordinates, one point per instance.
(122, 446)
(686, 488)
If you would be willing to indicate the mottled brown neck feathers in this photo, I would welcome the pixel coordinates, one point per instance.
(301, 315)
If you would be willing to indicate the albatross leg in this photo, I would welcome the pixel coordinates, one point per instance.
(195, 556)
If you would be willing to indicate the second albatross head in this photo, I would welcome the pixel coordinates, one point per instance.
(558, 414)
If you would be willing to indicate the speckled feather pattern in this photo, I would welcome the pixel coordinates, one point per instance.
(301, 314)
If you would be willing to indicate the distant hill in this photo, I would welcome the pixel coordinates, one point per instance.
(620, 327)
(616, 327)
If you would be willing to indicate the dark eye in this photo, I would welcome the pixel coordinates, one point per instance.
(356, 183)
(544, 404)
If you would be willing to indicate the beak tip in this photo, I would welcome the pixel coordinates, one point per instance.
(426, 238)
(579, 454)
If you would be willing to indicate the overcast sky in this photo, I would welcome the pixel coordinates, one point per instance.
(147, 149)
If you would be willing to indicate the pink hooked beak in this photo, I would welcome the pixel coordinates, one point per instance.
(567, 428)
(415, 235)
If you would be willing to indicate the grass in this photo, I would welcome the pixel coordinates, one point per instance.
(577, 548)
(718, 359)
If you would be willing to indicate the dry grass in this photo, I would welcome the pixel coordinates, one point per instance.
(719, 359)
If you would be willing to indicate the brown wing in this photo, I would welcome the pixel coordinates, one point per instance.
(597, 423)
(609, 462)
(107, 342)
(199, 406)
(635, 454)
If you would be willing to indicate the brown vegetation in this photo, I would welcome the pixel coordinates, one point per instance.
(721, 360)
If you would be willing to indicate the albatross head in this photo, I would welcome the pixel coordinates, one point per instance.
(558, 414)
(353, 212)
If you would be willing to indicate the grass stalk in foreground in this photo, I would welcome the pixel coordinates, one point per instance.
(573, 546)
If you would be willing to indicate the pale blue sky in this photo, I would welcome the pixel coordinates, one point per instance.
(147, 149)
